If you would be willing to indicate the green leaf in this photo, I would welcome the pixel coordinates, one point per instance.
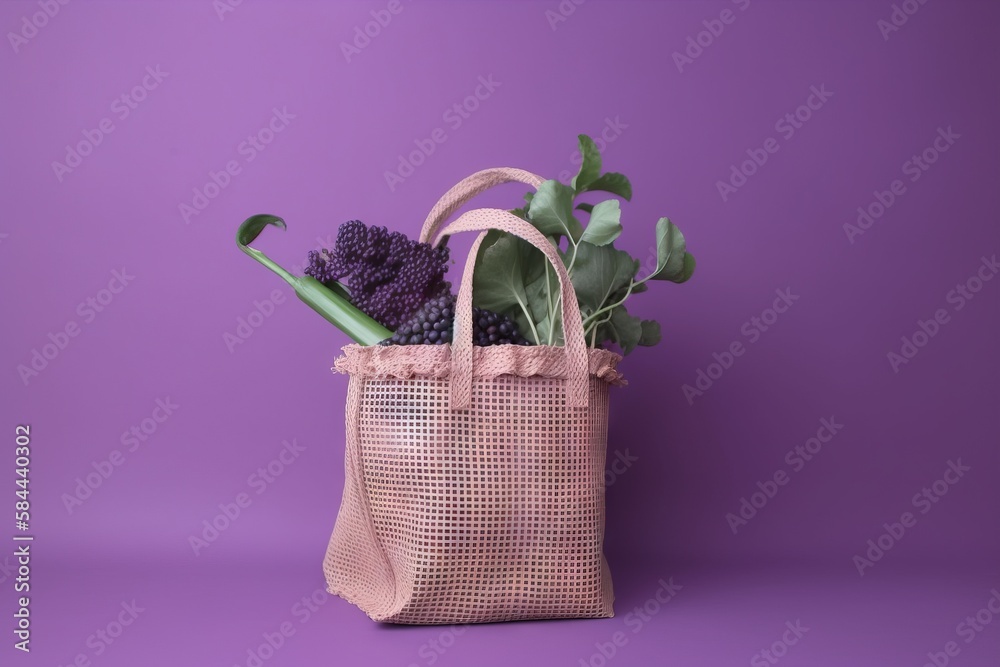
(538, 297)
(551, 211)
(339, 289)
(651, 334)
(492, 237)
(688, 270)
(254, 225)
(522, 212)
(605, 223)
(590, 168)
(587, 208)
(599, 272)
(340, 312)
(622, 328)
(612, 182)
(506, 264)
(673, 262)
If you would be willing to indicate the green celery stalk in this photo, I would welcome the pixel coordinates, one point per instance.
(332, 304)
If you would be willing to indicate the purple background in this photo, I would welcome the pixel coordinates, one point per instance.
(680, 133)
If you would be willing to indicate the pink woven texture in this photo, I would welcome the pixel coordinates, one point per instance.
(485, 508)
(405, 362)
(485, 219)
(468, 188)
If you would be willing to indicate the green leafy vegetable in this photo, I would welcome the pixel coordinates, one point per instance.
(650, 333)
(688, 270)
(670, 253)
(605, 223)
(590, 167)
(551, 211)
(622, 329)
(523, 211)
(614, 183)
(599, 272)
(513, 278)
(505, 265)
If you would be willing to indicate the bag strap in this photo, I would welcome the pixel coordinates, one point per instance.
(577, 354)
(468, 188)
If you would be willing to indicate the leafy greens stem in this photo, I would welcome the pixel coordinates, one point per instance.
(594, 327)
(556, 309)
(572, 261)
(527, 315)
(605, 309)
(549, 305)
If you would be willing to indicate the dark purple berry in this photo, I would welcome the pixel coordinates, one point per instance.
(433, 324)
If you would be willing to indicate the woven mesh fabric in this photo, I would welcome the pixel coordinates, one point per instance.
(494, 513)
(474, 477)
(468, 188)
(410, 361)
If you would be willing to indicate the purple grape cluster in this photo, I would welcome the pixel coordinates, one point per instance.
(434, 322)
(388, 275)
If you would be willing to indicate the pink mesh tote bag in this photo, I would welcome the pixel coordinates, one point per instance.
(474, 476)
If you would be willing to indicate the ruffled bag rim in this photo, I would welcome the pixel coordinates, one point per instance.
(405, 362)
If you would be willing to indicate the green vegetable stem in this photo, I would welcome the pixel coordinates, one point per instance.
(332, 303)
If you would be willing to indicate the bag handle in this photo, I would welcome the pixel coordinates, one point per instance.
(468, 188)
(577, 355)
